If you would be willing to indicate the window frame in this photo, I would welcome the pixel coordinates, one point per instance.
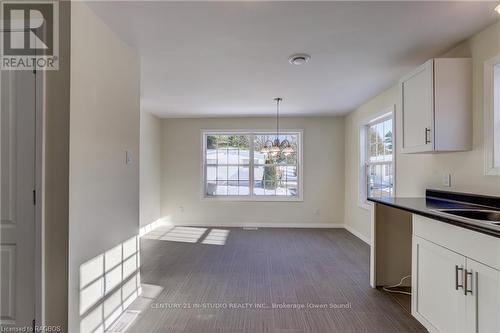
(364, 154)
(491, 112)
(251, 196)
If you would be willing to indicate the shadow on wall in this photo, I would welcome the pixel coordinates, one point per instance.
(109, 283)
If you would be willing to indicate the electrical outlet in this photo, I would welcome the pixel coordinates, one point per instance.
(316, 211)
(447, 180)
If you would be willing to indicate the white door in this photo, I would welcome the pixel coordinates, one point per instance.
(439, 297)
(417, 98)
(483, 299)
(17, 227)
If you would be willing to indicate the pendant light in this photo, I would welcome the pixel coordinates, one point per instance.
(275, 147)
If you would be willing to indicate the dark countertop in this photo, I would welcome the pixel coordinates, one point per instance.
(426, 206)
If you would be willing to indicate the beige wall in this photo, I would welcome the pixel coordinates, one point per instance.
(104, 123)
(150, 168)
(323, 175)
(415, 173)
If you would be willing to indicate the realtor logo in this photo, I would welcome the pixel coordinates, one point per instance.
(30, 35)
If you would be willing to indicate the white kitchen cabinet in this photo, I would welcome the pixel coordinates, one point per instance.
(436, 106)
(455, 278)
(439, 302)
(483, 298)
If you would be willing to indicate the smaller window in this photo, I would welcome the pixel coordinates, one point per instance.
(378, 158)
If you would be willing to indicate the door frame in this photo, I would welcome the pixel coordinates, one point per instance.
(39, 188)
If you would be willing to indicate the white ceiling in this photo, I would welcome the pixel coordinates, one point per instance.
(231, 58)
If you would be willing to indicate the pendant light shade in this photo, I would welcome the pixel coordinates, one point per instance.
(288, 150)
(276, 147)
(265, 149)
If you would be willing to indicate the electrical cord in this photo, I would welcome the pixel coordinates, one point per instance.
(386, 288)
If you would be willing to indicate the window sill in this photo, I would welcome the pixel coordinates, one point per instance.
(365, 205)
(492, 171)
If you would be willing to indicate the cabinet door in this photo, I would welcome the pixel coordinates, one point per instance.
(483, 299)
(438, 300)
(417, 101)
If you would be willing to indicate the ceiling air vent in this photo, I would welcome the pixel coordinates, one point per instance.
(299, 59)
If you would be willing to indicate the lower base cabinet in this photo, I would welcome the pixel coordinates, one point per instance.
(438, 301)
(451, 291)
(483, 301)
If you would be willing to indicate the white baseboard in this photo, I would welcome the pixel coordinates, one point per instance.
(260, 225)
(151, 226)
(157, 223)
(358, 234)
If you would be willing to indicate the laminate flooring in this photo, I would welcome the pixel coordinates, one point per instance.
(267, 280)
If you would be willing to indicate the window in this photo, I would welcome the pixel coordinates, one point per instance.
(235, 167)
(275, 175)
(492, 115)
(378, 175)
(227, 164)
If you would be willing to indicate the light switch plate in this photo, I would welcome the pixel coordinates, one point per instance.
(128, 157)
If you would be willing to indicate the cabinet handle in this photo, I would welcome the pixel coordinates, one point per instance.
(427, 132)
(477, 301)
(466, 275)
(456, 277)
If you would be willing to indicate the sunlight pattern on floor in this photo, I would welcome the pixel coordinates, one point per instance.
(158, 232)
(216, 237)
(188, 235)
(176, 234)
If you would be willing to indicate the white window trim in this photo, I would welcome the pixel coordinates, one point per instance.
(363, 154)
(491, 111)
(251, 197)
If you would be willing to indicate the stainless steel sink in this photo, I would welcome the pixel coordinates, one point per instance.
(484, 216)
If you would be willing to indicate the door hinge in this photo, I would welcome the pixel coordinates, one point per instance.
(34, 197)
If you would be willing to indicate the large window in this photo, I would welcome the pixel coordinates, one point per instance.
(379, 161)
(236, 165)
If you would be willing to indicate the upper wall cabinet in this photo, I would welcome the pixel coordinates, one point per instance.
(436, 104)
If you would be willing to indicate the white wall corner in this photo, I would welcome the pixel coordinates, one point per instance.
(153, 225)
(357, 234)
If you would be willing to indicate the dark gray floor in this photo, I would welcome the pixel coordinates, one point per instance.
(301, 267)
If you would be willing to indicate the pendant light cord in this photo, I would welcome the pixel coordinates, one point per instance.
(277, 118)
(278, 100)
